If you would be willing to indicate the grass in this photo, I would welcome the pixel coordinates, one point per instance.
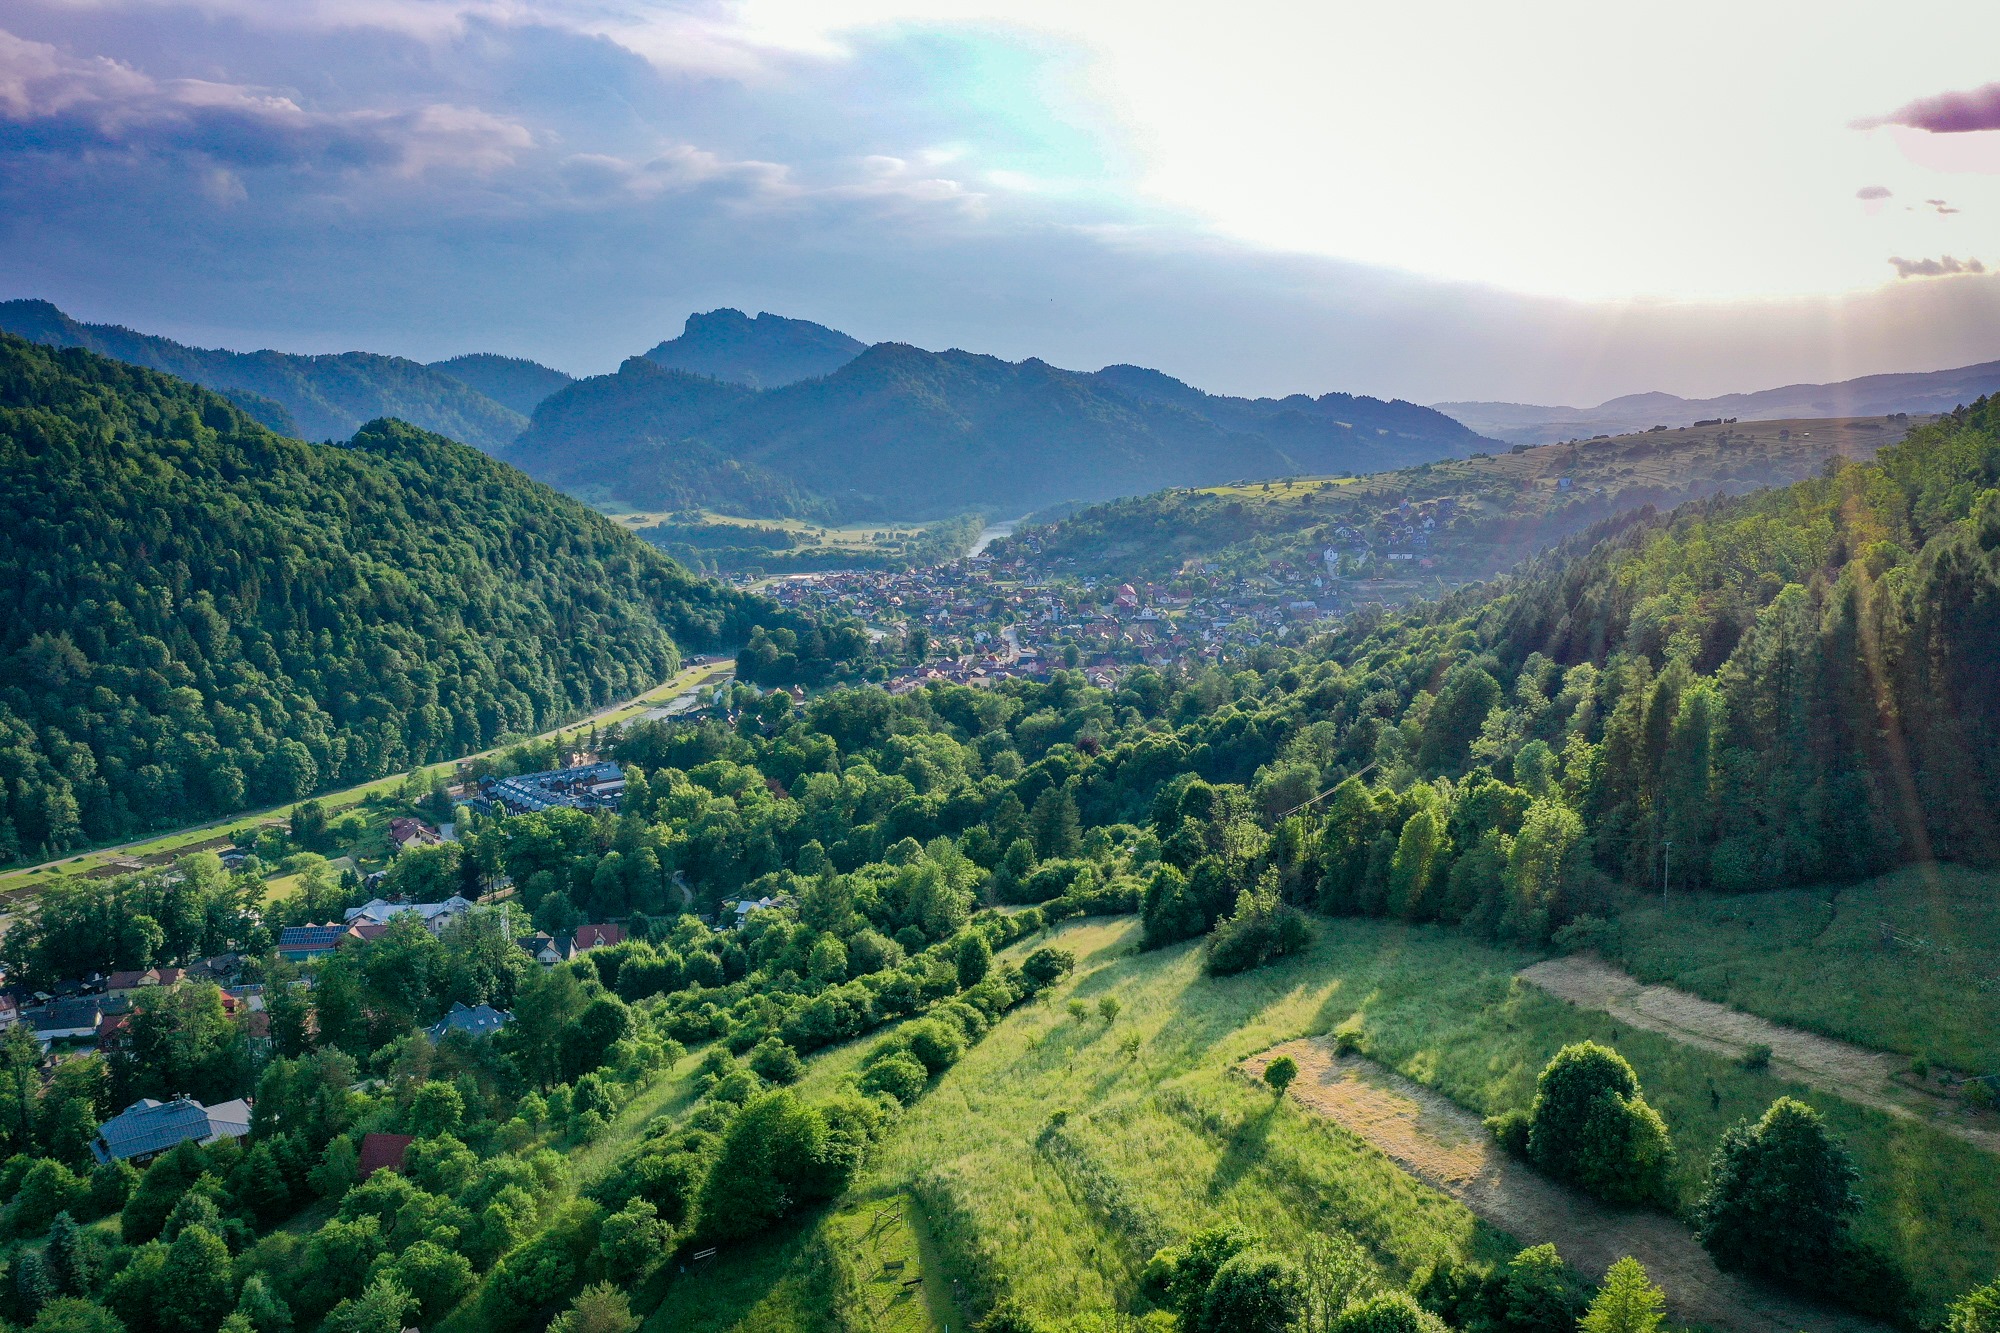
(1916, 955)
(1164, 1140)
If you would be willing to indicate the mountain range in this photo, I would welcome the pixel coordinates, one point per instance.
(1869, 396)
(321, 397)
(895, 431)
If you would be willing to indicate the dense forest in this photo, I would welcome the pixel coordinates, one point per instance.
(326, 397)
(201, 615)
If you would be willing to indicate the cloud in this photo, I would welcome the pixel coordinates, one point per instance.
(55, 104)
(1872, 192)
(1946, 113)
(1943, 267)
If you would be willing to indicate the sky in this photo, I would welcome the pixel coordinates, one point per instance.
(1545, 202)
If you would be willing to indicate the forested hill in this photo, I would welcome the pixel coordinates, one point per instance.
(1788, 688)
(313, 397)
(199, 615)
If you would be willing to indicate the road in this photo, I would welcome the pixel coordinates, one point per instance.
(32, 877)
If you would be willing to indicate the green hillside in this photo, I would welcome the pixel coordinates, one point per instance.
(1397, 535)
(199, 615)
(326, 397)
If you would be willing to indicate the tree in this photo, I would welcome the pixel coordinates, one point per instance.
(1046, 966)
(1781, 1194)
(380, 1308)
(775, 1154)
(195, 1289)
(68, 1314)
(1180, 1274)
(265, 1310)
(1627, 1302)
(1252, 1292)
(1057, 828)
(72, 1257)
(1392, 1312)
(1537, 1291)
(774, 1061)
(598, 1308)
(437, 1108)
(1978, 1311)
(1108, 1009)
(1278, 1075)
(1591, 1127)
(436, 1278)
(974, 957)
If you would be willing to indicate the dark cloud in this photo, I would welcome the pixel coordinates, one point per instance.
(1942, 267)
(1872, 192)
(1946, 113)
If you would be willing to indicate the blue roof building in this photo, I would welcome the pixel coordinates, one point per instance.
(299, 943)
(147, 1128)
(479, 1020)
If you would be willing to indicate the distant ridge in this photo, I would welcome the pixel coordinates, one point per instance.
(310, 397)
(767, 352)
(1868, 396)
(900, 432)
(513, 382)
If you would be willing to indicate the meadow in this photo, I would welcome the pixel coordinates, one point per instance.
(1054, 1159)
(1913, 959)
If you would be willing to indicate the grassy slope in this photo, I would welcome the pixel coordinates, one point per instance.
(1908, 955)
(1164, 1141)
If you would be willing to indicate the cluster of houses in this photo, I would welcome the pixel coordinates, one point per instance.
(594, 786)
(98, 1007)
(302, 944)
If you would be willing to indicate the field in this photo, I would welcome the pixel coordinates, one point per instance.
(1160, 1137)
(1915, 957)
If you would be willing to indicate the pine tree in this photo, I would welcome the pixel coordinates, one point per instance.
(1628, 1302)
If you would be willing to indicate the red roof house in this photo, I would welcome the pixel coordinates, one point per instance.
(594, 937)
(384, 1152)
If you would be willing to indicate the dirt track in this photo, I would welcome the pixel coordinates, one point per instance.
(1853, 1073)
(1446, 1146)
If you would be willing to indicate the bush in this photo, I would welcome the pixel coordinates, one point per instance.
(1592, 1128)
(1510, 1130)
(937, 1045)
(1756, 1059)
(775, 1062)
(1260, 929)
(900, 1076)
(1278, 1075)
(1178, 1276)
(1045, 967)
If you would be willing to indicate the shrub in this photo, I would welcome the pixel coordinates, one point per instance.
(1260, 929)
(775, 1062)
(1592, 1128)
(1628, 1302)
(1278, 1075)
(1756, 1059)
(1045, 967)
(1510, 1130)
(937, 1045)
(900, 1076)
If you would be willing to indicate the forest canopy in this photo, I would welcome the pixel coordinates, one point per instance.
(198, 615)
